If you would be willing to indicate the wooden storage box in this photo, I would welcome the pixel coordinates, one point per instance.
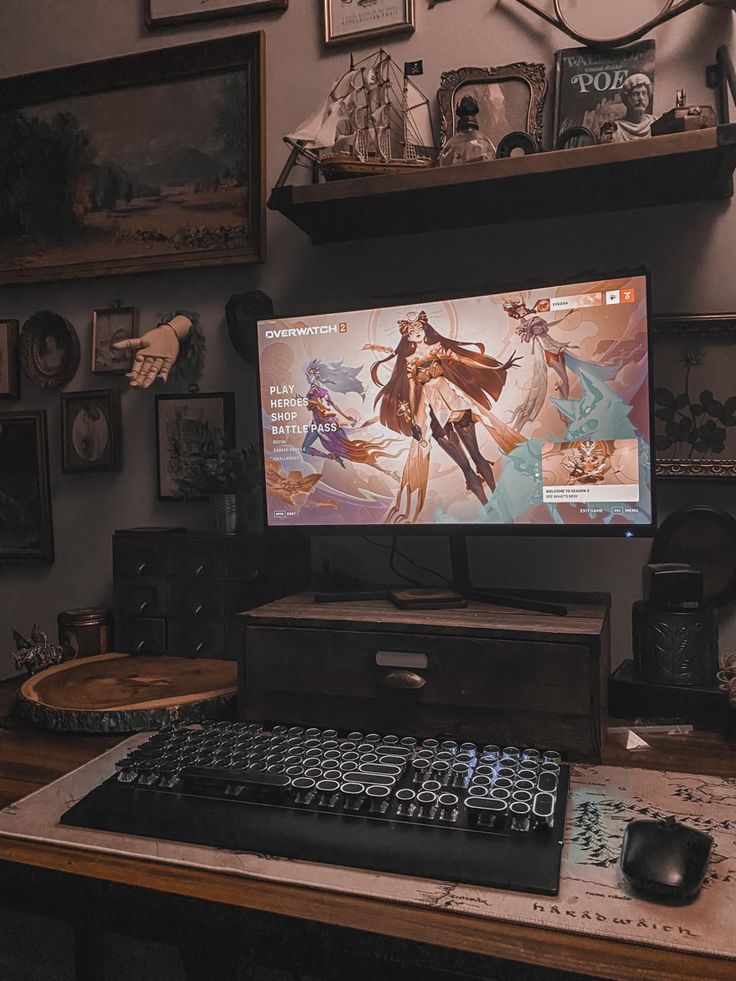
(485, 673)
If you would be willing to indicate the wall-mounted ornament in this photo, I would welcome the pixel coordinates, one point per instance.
(9, 367)
(668, 10)
(346, 22)
(26, 528)
(162, 13)
(175, 347)
(510, 98)
(90, 431)
(242, 313)
(110, 325)
(49, 350)
(146, 162)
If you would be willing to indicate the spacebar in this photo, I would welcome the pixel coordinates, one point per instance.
(223, 775)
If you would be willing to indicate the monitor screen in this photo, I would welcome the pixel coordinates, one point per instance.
(525, 410)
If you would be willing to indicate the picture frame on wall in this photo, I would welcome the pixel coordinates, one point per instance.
(193, 431)
(146, 185)
(110, 325)
(91, 431)
(694, 395)
(162, 13)
(9, 364)
(48, 350)
(510, 99)
(26, 525)
(346, 21)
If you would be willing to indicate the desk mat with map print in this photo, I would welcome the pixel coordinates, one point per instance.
(592, 899)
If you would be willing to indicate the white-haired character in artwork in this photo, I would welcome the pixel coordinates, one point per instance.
(326, 428)
(548, 355)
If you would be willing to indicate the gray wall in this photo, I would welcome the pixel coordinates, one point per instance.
(688, 249)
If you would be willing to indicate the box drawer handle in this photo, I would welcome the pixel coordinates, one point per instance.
(403, 679)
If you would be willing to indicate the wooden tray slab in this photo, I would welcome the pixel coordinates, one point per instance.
(128, 693)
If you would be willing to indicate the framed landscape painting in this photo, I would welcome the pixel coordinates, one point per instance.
(26, 533)
(161, 13)
(147, 162)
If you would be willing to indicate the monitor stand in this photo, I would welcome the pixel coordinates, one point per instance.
(455, 596)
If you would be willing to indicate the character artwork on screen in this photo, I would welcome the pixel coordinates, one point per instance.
(519, 408)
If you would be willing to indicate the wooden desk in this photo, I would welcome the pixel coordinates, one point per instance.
(31, 758)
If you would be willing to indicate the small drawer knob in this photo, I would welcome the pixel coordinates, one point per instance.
(403, 679)
(141, 568)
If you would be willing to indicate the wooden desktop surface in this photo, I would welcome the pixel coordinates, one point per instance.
(30, 758)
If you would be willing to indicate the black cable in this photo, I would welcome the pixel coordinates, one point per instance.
(393, 548)
(392, 562)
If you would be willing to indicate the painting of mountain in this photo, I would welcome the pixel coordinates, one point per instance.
(100, 175)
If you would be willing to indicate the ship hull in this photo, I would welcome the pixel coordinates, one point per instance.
(340, 168)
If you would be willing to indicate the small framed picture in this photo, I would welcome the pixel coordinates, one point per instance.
(91, 431)
(9, 366)
(192, 433)
(26, 527)
(110, 325)
(161, 13)
(694, 395)
(347, 21)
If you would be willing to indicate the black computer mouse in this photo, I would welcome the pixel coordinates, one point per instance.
(665, 860)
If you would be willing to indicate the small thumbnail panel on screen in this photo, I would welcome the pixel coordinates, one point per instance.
(525, 408)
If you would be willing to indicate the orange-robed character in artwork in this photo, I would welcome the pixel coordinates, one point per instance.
(441, 388)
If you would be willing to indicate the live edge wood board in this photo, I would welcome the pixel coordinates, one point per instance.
(485, 673)
(124, 693)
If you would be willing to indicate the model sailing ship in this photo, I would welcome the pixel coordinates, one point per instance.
(374, 121)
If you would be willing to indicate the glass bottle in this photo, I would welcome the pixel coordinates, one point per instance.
(468, 144)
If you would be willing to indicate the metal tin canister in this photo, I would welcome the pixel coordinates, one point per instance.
(85, 632)
(675, 647)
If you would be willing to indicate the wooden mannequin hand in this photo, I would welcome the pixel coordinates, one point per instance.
(156, 351)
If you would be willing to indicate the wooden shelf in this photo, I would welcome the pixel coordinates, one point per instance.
(681, 167)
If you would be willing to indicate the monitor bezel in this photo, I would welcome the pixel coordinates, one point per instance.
(461, 528)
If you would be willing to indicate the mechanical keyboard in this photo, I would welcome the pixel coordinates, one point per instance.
(465, 812)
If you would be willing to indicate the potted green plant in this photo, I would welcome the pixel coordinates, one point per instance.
(231, 480)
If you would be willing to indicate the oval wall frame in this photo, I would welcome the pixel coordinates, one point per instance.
(49, 350)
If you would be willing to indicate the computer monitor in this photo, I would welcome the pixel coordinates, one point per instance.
(522, 411)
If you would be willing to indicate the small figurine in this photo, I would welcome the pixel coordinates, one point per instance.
(636, 95)
(37, 653)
